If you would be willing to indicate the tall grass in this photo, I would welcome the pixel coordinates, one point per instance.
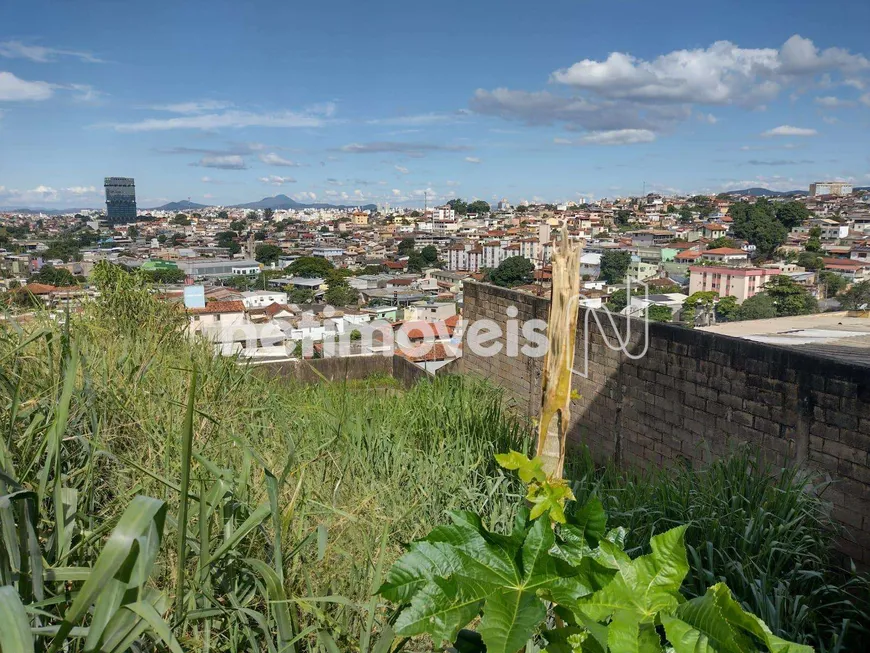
(764, 531)
(295, 498)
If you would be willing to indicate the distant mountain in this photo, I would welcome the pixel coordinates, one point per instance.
(43, 210)
(183, 205)
(278, 202)
(281, 202)
(765, 192)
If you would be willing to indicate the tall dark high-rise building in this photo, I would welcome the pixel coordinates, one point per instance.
(120, 199)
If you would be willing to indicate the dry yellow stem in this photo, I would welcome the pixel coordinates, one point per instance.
(561, 336)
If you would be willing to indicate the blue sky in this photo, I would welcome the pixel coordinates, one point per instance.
(351, 102)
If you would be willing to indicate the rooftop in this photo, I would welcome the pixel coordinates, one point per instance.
(835, 335)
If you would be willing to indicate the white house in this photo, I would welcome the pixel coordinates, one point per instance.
(263, 298)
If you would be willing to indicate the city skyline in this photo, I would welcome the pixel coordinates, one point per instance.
(356, 105)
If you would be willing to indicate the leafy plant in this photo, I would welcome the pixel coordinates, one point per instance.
(565, 571)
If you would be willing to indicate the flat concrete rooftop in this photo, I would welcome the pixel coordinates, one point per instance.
(835, 335)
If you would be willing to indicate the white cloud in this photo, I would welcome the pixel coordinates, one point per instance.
(13, 88)
(622, 91)
(273, 159)
(709, 118)
(41, 54)
(472, 159)
(305, 196)
(81, 190)
(402, 169)
(831, 102)
(788, 130)
(224, 120)
(417, 120)
(410, 149)
(195, 107)
(275, 180)
(619, 137)
(222, 162)
(865, 99)
(724, 73)
(830, 120)
(396, 192)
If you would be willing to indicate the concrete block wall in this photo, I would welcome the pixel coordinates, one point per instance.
(693, 394)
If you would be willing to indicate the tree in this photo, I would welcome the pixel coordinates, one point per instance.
(727, 309)
(132, 232)
(251, 215)
(415, 214)
(180, 220)
(65, 250)
(513, 271)
(697, 303)
(52, 276)
(810, 261)
(832, 282)
(722, 241)
(685, 215)
(268, 213)
(238, 226)
(223, 215)
(267, 254)
(789, 297)
(161, 238)
(228, 239)
(757, 307)
(660, 313)
(176, 239)
(792, 214)
(405, 246)
(479, 206)
(171, 275)
(856, 298)
(429, 254)
(814, 244)
(623, 217)
(299, 295)
(757, 223)
(309, 267)
(617, 301)
(614, 265)
(339, 292)
(522, 208)
(458, 205)
(416, 262)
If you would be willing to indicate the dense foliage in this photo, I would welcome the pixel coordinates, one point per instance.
(614, 266)
(513, 271)
(572, 568)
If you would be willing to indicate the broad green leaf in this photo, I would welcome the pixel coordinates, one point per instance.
(626, 634)
(424, 561)
(549, 497)
(528, 470)
(717, 614)
(509, 619)
(589, 521)
(644, 586)
(441, 608)
(15, 634)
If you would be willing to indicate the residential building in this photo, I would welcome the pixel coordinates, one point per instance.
(263, 298)
(726, 255)
(741, 282)
(839, 188)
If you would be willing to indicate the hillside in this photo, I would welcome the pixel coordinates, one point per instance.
(765, 192)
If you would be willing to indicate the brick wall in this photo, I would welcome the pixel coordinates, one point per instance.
(693, 394)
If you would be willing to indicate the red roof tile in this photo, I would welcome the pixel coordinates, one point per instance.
(212, 308)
